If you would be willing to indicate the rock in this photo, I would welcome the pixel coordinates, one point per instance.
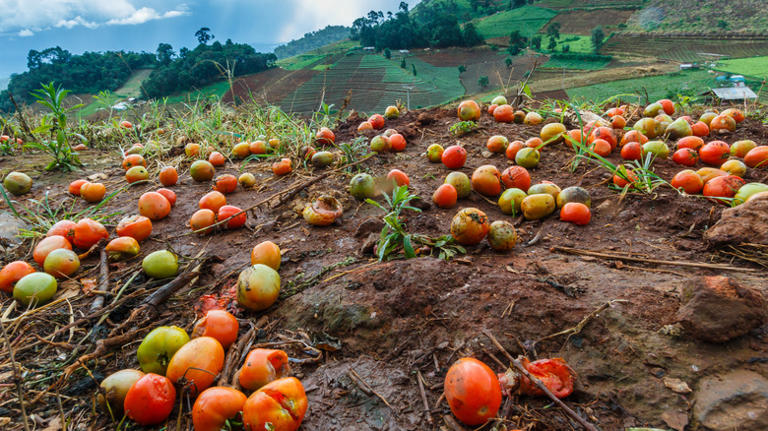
(747, 222)
(368, 226)
(676, 420)
(10, 226)
(717, 309)
(369, 244)
(736, 400)
(676, 385)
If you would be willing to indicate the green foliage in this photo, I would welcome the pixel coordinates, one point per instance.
(753, 66)
(471, 36)
(483, 81)
(387, 53)
(461, 128)
(354, 151)
(577, 61)
(528, 20)
(553, 30)
(552, 43)
(517, 42)
(536, 42)
(462, 68)
(204, 35)
(598, 37)
(658, 87)
(313, 40)
(55, 124)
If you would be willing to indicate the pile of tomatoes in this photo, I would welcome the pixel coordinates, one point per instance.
(171, 363)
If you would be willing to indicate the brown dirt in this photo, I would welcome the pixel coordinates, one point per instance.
(270, 86)
(390, 320)
(584, 21)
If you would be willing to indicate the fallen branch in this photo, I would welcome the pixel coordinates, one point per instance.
(520, 368)
(103, 277)
(420, 379)
(226, 378)
(654, 261)
(365, 387)
(579, 326)
(16, 377)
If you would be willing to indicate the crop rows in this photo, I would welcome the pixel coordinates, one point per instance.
(528, 20)
(685, 49)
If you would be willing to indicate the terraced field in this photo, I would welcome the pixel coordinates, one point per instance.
(568, 4)
(756, 67)
(583, 21)
(685, 49)
(657, 87)
(575, 42)
(575, 63)
(528, 19)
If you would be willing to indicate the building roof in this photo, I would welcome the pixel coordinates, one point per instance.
(734, 93)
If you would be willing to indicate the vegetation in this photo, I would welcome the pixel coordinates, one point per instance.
(528, 20)
(690, 83)
(54, 124)
(754, 66)
(577, 61)
(313, 40)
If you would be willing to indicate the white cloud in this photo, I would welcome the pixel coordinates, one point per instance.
(29, 16)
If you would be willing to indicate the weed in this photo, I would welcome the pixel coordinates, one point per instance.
(55, 123)
(462, 128)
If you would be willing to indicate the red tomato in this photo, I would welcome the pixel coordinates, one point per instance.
(715, 153)
(282, 404)
(282, 167)
(454, 157)
(218, 324)
(724, 186)
(687, 180)
(217, 159)
(229, 211)
(445, 196)
(576, 213)
(226, 183)
(13, 272)
(700, 128)
(516, 177)
(215, 406)
(605, 133)
(169, 194)
(377, 121)
(399, 177)
(263, 366)
(74, 186)
(87, 233)
(693, 142)
(633, 136)
(137, 227)
(397, 142)
(601, 147)
(65, 228)
(632, 151)
(621, 182)
(150, 400)
(685, 157)
(513, 148)
(555, 373)
(473, 391)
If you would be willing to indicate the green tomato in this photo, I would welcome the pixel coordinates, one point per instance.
(746, 191)
(510, 201)
(528, 157)
(460, 181)
(160, 264)
(37, 286)
(573, 194)
(362, 186)
(158, 347)
(658, 148)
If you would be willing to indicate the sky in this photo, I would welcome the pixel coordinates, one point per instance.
(140, 25)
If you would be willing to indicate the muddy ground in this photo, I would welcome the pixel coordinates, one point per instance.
(390, 322)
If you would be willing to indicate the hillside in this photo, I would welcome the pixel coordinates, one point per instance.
(697, 16)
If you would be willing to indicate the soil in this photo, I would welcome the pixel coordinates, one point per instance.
(389, 322)
(270, 86)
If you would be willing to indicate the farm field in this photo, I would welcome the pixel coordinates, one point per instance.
(657, 87)
(684, 49)
(582, 22)
(528, 19)
(591, 4)
(216, 89)
(576, 43)
(132, 87)
(756, 67)
(696, 16)
(575, 63)
(309, 59)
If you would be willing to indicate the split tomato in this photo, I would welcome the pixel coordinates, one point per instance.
(237, 220)
(263, 366)
(137, 227)
(516, 177)
(469, 226)
(279, 406)
(218, 324)
(88, 232)
(150, 400)
(555, 373)
(473, 391)
(215, 407)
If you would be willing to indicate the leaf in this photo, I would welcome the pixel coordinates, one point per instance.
(527, 90)
(408, 248)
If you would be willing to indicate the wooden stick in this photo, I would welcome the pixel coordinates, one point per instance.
(656, 261)
(16, 377)
(103, 277)
(420, 379)
(23, 122)
(367, 388)
(519, 366)
(579, 326)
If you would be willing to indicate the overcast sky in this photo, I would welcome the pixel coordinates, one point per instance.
(136, 25)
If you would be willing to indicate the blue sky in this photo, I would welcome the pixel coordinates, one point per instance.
(136, 25)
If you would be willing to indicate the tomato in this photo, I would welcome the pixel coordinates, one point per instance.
(258, 147)
(469, 110)
(555, 373)
(74, 186)
(545, 187)
(169, 194)
(757, 157)
(685, 157)
(217, 159)
(126, 124)
(632, 151)
(377, 121)
(364, 126)
(614, 112)
(504, 114)
(202, 219)
(278, 406)
(747, 191)
(469, 226)
(687, 180)
(537, 206)
(659, 149)
(246, 180)
(497, 144)
(633, 136)
(460, 181)
(37, 287)
(502, 235)
(160, 264)
(486, 180)
(47, 245)
(61, 263)
(325, 136)
(397, 142)
(150, 400)
(226, 183)
(192, 149)
(693, 142)
(533, 118)
(136, 173)
(275, 144)
(154, 206)
(168, 176)
(213, 201)
(576, 213)
(707, 117)
(380, 144)
(734, 167)
(115, 387)
(215, 407)
(435, 153)
(573, 194)
(445, 196)
(362, 186)
(201, 170)
(454, 157)
(236, 221)
(158, 347)
(492, 108)
(516, 177)
(258, 287)
(667, 105)
(605, 133)
(707, 174)
(741, 148)
(734, 113)
(715, 153)
(528, 157)
(93, 192)
(122, 248)
(511, 200)
(241, 150)
(132, 160)
(218, 324)
(13, 272)
(282, 167)
(196, 364)
(723, 123)
(266, 253)
(724, 186)
(513, 148)
(601, 147)
(263, 366)
(88, 232)
(473, 391)
(136, 226)
(398, 177)
(646, 126)
(534, 142)
(618, 122)
(574, 136)
(623, 176)
(65, 228)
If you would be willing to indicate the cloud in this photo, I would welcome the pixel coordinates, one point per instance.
(29, 17)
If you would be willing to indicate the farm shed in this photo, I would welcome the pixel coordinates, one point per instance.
(731, 94)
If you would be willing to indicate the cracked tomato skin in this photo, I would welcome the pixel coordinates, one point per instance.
(469, 226)
(150, 400)
(278, 406)
(215, 406)
(473, 391)
(263, 366)
(555, 373)
(218, 324)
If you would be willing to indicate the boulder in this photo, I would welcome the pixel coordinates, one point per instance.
(731, 401)
(746, 223)
(717, 309)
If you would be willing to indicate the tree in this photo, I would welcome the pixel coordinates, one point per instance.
(517, 3)
(471, 36)
(566, 48)
(462, 68)
(536, 42)
(722, 24)
(413, 68)
(554, 30)
(387, 53)
(204, 35)
(552, 44)
(164, 53)
(483, 81)
(402, 64)
(517, 42)
(508, 62)
(598, 37)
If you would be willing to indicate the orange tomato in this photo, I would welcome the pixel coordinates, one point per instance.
(282, 167)
(258, 147)
(218, 324)
(65, 228)
(376, 120)
(685, 157)
(633, 136)
(757, 157)
(226, 183)
(13, 272)
(605, 133)
(197, 362)
(513, 148)
(88, 232)
(492, 108)
(628, 173)
(574, 136)
(364, 126)
(263, 366)
(214, 407)
(723, 122)
(325, 136)
(687, 180)
(192, 149)
(150, 400)
(700, 128)
(618, 122)
(486, 180)
(169, 194)
(516, 177)
(555, 373)
(454, 157)
(734, 113)
(715, 153)
(445, 196)
(47, 245)
(397, 142)
(93, 192)
(399, 177)
(137, 227)
(469, 110)
(576, 213)
(74, 186)
(667, 105)
(707, 174)
(202, 219)
(601, 147)
(132, 160)
(266, 253)
(213, 201)
(504, 114)
(168, 176)
(154, 206)
(217, 159)
(282, 404)
(469, 226)
(497, 144)
(632, 151)
(693, 142)
(473, 391)
(236, 221)
(724, 186)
